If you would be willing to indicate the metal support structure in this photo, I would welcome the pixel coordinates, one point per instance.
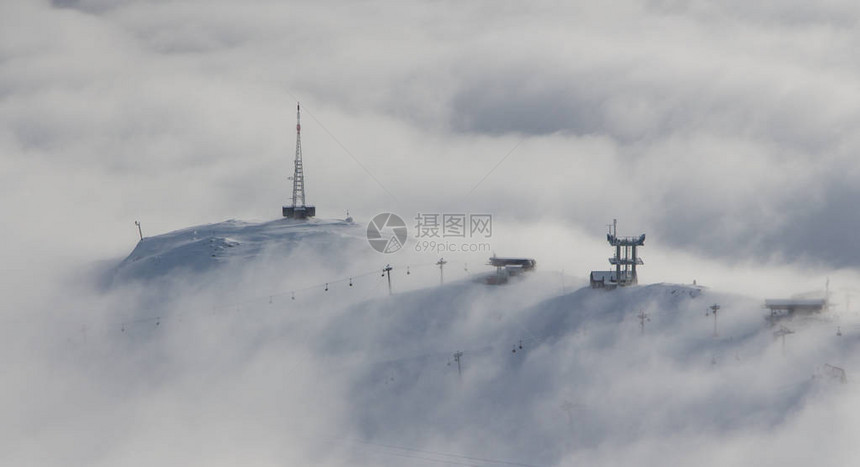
(782, 332)
(714, 309)
(457, 356)
(625, 260)
(298, 209)
(299, 175)
(642, 318)
(633, 263)
(441, 263)
(387, 271)
(139, 230)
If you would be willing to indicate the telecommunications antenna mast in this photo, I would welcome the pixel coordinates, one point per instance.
(298, 209)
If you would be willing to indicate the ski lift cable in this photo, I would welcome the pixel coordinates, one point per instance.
(123, 323)
(292, 293)
(312, 287)
(127, 324)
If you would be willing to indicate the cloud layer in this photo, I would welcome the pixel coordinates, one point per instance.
(726, 131)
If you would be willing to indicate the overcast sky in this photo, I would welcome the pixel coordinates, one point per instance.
(723, 129)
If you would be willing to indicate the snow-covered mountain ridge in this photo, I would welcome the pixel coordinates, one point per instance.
(526, 373)
(205, 248)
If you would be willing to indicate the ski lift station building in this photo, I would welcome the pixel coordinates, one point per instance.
(780, 307)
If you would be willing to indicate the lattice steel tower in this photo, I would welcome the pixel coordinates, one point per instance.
(626, 258)
(298, 209)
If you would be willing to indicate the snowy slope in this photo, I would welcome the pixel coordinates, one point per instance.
(570, 374)
(205, 248)
(232, 359)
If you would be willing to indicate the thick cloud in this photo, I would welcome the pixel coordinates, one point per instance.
(725, 130)
(723, 123)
